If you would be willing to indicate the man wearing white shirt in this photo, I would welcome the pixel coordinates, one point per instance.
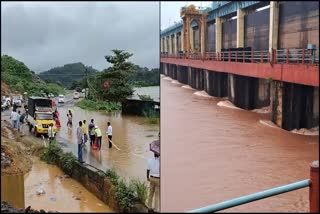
(14, 118)
(109, 133)
(153, 176)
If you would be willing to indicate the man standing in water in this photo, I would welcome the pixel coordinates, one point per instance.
(92, 132)
(84, 130)
(109, 133)
(80, 141)
(98, 136)
(153, 176)
(14, 118)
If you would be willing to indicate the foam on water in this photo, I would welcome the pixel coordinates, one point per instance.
(303, 131)
(227, 104)
(186, 86)
(201, 94)
(175, 82)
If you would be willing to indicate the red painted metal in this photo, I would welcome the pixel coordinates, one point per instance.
(314, 187)
(306, 74)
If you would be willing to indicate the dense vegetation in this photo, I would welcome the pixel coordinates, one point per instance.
(144, 77)
(21, 79)
(99, 105)
(68, 74)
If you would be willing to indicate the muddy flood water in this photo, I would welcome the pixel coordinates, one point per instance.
(61, 194)
(211, 154)
(131, 136)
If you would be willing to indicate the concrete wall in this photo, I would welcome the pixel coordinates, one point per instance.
(256, 31)
(298, 24)
(248, 92)
(216, 83)
(99, 185)
(182, 74)
(295, 106)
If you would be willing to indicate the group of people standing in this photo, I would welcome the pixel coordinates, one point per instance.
(17, 119)
(94, 132)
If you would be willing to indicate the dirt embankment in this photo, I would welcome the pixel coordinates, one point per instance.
(5, 90)
(16, 151)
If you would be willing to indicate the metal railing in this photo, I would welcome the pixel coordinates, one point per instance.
(312, 183)
(283, 56)
(253, 197)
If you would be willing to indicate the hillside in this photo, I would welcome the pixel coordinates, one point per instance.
(18, 77)
(67, 74)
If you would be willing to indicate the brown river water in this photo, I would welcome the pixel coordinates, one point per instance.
(211, 154)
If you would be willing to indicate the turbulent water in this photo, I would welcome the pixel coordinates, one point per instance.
(211, 153)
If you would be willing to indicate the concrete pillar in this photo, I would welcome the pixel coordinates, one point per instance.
(161, 45)
(203, 37)
(217, 84)
(240, 28)
(190, 76)
(170, 44)
(182, 40)
(175, 44)
(245, 92)
(293, 106)
(274, 23)
(191, 38)
(276, 102)
(218, 34)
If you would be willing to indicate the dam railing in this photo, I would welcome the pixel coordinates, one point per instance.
(280, 56)
(312, 183)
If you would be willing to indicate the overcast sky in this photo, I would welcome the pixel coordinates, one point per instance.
(170, 11)
(48, 34)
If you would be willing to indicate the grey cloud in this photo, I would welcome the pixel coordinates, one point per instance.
(49, 34)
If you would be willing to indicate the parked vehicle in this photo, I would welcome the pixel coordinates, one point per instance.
(4, 106)
(17, 99)
(50, 95)
(76, 95)
(61, 99)
(40, 115)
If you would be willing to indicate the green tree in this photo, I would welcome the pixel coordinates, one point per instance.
(117, 76)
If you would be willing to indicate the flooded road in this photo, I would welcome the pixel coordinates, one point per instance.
(60, 194)
(131, 134)
(211, 154)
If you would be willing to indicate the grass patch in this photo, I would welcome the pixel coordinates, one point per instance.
(99, 105)
(113, 176)
(67, 161)
(140, 189)
(125, 195)
(51, 153)
(152, 117)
